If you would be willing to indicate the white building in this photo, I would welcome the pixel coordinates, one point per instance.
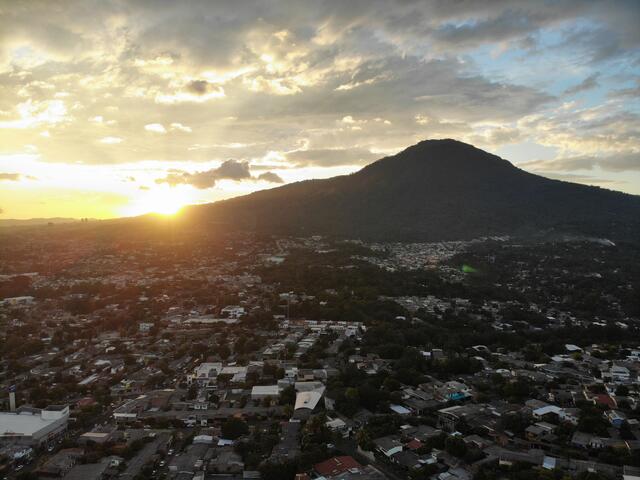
(205, 372)
(32, 426)
(260, 392)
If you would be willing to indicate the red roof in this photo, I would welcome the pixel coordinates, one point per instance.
(336, 465)
(604, 399)
(86, 402)
(414, 444)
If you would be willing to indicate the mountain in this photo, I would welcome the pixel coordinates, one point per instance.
(434, 190)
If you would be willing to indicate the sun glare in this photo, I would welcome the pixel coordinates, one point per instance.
(164, 201)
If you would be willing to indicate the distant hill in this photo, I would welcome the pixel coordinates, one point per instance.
(435, 190)
(10, 222)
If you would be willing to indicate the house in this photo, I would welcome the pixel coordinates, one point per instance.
(399, 409)
(338, 425)
(540, 431)
(546, 412)
(205, 374)
(449, 417)
(226, 461)
(457, 473)
(586, 440)
(336, 466)
(61, 463)
(88, 471)
(407, 460)
(619, 374)
(237, 374)
(616, 418)
(388, 446)
(454, 391)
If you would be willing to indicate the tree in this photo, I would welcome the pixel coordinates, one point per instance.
(288, 396)
(364, 440)
(234, 428)
(223, 351)
(278, 471)
(455, 446)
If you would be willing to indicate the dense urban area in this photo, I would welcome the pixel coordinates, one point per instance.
(232, 356)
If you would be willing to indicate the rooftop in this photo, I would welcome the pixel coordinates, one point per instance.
(23, 424)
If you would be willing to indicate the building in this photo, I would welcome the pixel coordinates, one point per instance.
(306, 403)
(388, 446)
(145, 327)
(260, 392)
(336, 466)
(32, 426)
(205, 374)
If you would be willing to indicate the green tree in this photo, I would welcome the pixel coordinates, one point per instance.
(234, 428)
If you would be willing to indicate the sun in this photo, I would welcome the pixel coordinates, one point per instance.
(162, 200)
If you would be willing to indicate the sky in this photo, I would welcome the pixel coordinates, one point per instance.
(118, 108)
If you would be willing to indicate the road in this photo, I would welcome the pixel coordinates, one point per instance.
(134, 466)
(211, 414)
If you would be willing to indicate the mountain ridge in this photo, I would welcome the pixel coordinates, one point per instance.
(434, 190)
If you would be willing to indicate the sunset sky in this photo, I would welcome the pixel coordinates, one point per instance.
(112, 108)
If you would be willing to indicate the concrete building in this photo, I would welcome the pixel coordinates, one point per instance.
(32, 426)
(260, 392)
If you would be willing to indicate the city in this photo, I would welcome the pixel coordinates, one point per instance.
(245, 357)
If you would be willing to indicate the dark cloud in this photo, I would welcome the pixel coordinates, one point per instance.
(587, 84)
(270, 177)
(199, 87)
(229, 170)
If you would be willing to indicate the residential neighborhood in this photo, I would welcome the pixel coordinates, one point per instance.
(309, 358)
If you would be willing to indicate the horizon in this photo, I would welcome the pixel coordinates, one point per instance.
(113, 109)
(10, 221)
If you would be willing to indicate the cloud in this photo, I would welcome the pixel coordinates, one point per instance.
(287, 85)
(180, 127)
(34, 113)
(632, 93)
(199, 87)
(155, 128)
(15, 177)
(10, 177)
(618, 162)
(584, 179)
(330, 157)
(196, 91)
(111, 140)
(587, 84)
(229, 170)
(270, 177)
